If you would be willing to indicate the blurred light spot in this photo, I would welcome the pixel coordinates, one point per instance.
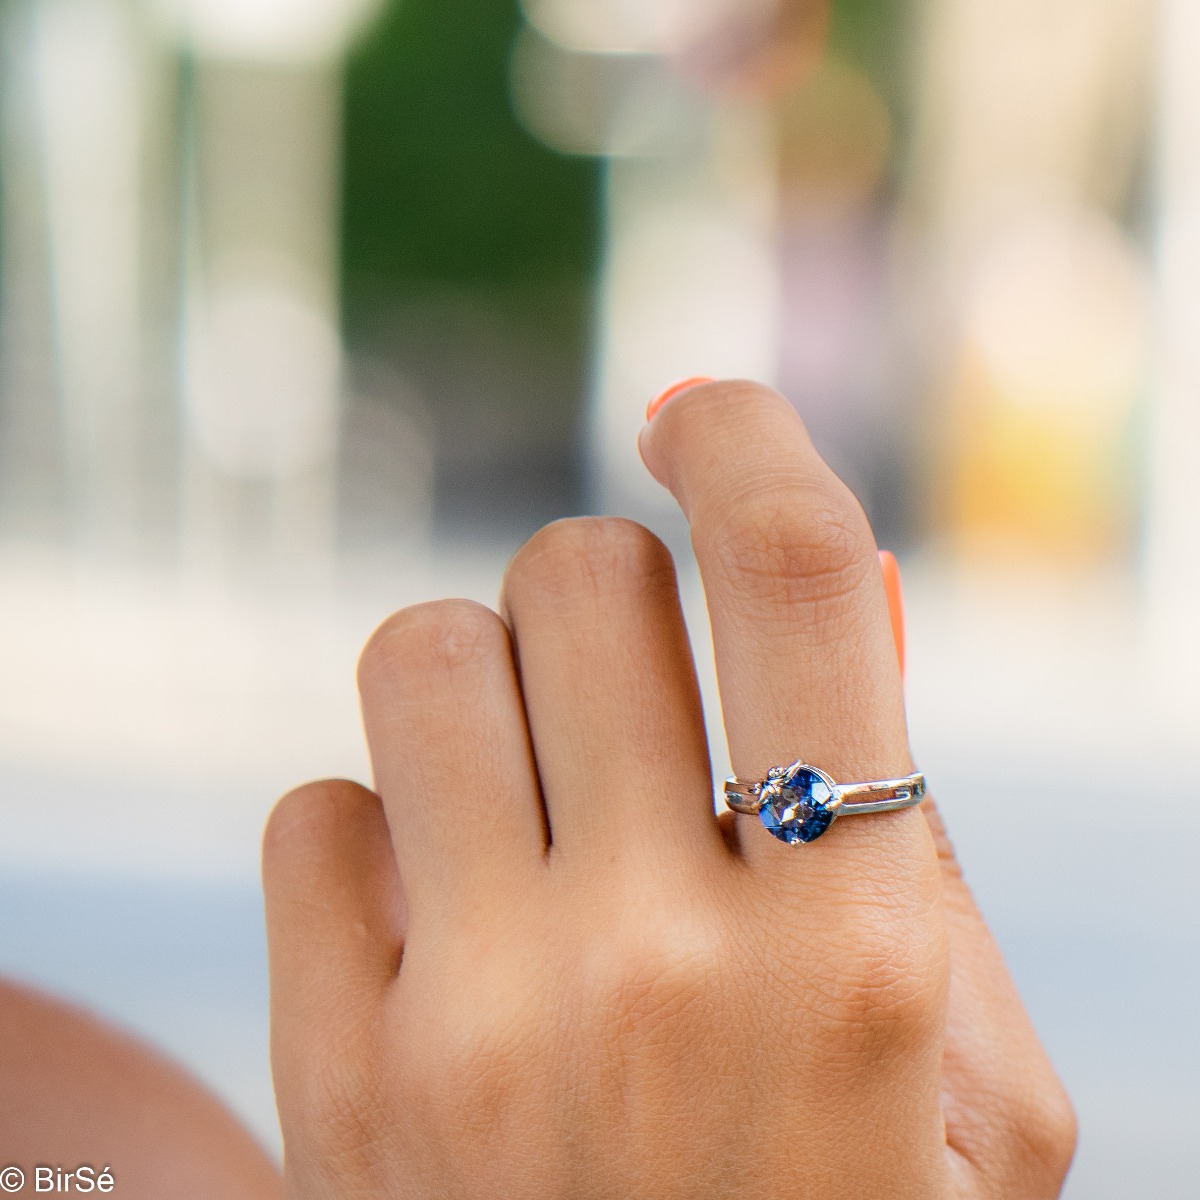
(761, 43)
(760, 47)
(834, 278)
(292, 30)
(598, 26)
(1052, 361)
(89, 96)
(835, 139)
(386, 474)
(1179, 283)
(262, 391)
(1057, 310)
(693, 292)
(584, 103)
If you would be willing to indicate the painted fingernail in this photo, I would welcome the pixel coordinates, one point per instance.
(895, 599)
(674, 390)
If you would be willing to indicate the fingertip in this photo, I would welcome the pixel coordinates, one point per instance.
(895, 598)
(650, 436)
(676, 389)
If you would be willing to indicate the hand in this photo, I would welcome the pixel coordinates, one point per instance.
(536, 965)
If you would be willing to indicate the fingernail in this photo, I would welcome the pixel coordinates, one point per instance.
(674, 390)
(895, 599)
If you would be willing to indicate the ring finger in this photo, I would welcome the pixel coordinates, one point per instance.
(801, 632)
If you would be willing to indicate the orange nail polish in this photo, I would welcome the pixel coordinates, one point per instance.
(674, 390)
(895, 599)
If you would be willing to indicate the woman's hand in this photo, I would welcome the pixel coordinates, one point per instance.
(537, 965)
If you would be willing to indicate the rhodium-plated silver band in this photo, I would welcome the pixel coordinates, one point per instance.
(849, 799)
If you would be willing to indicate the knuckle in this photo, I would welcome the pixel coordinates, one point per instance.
(892, 988)
(1043, 1120)
(468, 1065)
(888, 1002)
(799, 542)
(1059, 1135)
(655, 978)
(443, 636)
(588, 556)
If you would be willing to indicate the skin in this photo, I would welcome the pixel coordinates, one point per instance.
(533, 963)
(76, 1091)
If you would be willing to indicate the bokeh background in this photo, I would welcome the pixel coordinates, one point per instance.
(310, 309)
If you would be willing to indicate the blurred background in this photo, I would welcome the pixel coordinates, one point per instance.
(311, 309)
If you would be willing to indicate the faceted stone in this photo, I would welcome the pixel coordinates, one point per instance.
(800, 812)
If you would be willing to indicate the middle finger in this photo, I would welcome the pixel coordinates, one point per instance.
(611, 694)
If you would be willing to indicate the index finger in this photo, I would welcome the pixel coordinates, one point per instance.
(802, 636)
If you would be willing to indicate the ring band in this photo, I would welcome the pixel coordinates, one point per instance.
(800, 802)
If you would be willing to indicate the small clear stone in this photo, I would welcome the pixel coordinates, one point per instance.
(800, 811)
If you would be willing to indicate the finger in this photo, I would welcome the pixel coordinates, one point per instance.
(1010, 1126)
(802, 637)
(333, 907)
(676, 389)
(611, 694)
(450, 750)
(1009, 1123)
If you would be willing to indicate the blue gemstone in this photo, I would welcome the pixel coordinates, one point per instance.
(801, 812)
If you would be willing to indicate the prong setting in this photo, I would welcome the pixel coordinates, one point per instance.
(798, 803)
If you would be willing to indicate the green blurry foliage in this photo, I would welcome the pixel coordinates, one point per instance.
(441, 185)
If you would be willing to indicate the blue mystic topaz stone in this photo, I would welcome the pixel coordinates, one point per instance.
(800, 813)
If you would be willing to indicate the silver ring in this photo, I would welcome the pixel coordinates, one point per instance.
(800, 802)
